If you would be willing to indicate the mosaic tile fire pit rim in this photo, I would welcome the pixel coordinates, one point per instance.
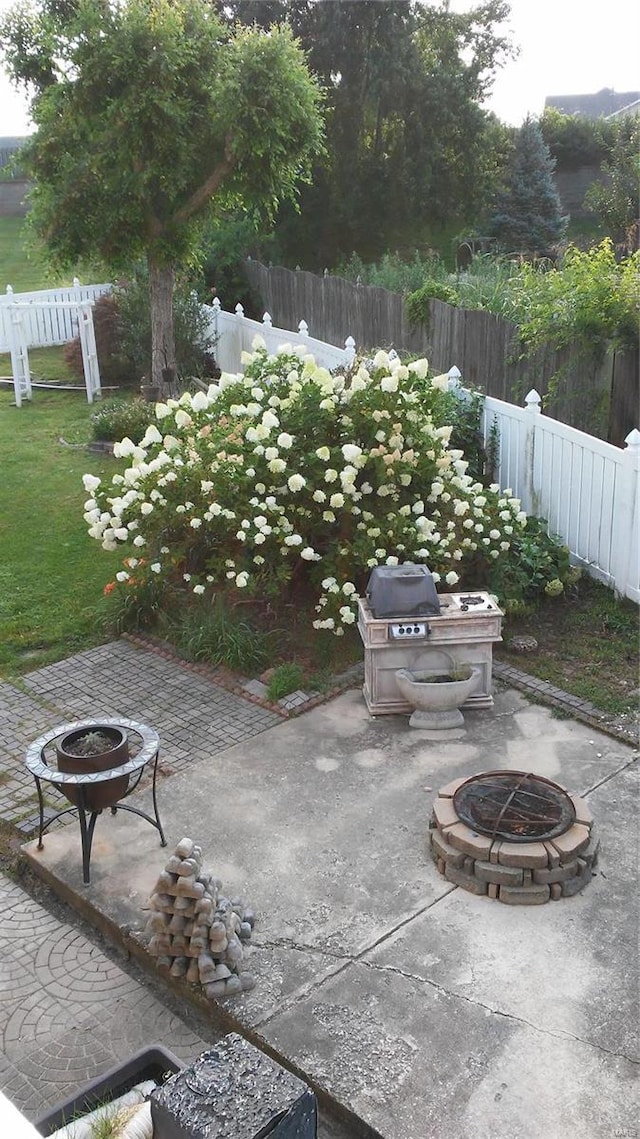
(516, 873)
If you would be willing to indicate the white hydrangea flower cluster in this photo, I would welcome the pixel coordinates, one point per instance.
(289, 469)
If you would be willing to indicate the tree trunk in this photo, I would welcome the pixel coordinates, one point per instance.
(163, 348)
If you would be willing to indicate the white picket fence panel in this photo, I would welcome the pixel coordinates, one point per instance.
(48, 316)
(587, 490)
(234, 334)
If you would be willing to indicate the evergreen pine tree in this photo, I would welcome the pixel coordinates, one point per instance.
(528, 216)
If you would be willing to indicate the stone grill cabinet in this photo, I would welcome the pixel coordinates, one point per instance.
(404, 624)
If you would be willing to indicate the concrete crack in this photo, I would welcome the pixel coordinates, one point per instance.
(289, 943)
(560, 1034)
(611, 775)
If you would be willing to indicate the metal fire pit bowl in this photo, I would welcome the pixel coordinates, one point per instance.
(514, 805)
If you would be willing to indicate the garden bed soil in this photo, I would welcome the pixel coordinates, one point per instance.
(587, 645)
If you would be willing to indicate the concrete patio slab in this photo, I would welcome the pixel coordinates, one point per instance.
(422, 1009)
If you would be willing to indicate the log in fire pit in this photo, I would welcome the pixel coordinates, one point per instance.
(513, 835)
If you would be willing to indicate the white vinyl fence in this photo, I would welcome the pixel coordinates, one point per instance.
(49, 316)
(586, 489)
(234, 334)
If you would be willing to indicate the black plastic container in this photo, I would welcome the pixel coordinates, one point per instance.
(149, 1064)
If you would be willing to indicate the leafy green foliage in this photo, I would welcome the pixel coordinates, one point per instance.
(119, 417)
(408, 145)
(617, 201)
(589, 301)
(464, 414)
(527, 214)
(286, 678)
(151, 115)
(391, 272)
(574, 140)
(194, 344)
(219, 636)
(417, 303)
(538, 563)
(224, 246)
(140, 606)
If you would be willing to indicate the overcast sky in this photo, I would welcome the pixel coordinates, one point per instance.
(567, 47)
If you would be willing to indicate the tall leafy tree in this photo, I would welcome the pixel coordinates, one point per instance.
(152, 115)
(617, 201)
(527, 216)
(408, 144)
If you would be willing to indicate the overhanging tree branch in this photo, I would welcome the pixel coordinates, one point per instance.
(201, 196)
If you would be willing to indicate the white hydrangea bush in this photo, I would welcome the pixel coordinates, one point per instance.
(289, 473)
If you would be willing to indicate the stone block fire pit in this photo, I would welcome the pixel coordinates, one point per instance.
(513, 835)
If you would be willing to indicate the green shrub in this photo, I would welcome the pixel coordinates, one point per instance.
(538, 565)
(417, 304)
(118, 418)
(218, 636)
(286, 678)
(307, 479)
(193, 342)
(392, 272)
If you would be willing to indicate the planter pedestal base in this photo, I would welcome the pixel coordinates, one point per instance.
(439, 722)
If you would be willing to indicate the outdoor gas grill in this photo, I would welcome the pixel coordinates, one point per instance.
(405, 623)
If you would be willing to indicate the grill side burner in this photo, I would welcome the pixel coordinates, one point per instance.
(514, 805)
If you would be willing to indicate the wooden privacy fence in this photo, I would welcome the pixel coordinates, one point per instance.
(587, 490)
(601, 398)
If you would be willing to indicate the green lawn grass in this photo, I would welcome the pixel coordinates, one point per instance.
(26, 270)
(51, 573)
(23, 265)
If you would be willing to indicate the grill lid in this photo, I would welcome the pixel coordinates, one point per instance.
(402, 591)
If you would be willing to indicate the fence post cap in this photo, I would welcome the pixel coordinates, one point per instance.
(9, 290)
(239, 311)
(349, 342)
(533, 400)
(633, 439)
(266, 319)
(454, 373)
(216, 303)
(303, 328)
(76, 282)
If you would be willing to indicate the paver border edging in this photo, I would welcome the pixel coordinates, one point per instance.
(228, 680)
(546, 693)
(540, 690)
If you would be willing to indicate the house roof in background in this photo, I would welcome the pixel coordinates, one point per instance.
(600, 105)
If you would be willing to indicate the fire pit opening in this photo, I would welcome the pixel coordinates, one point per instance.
(513, 836)
(514, 806)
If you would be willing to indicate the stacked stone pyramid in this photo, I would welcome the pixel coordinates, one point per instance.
(195, 932)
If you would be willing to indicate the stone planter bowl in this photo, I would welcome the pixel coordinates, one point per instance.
(437, 702)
